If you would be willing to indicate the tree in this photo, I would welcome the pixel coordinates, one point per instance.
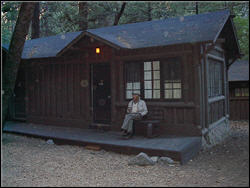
(118, 16)
(83, 16)
(36, 22)
(196, 8)
(15, 51)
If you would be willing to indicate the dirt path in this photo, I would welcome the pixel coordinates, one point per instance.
(32, 162)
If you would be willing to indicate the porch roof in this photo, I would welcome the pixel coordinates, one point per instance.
(239, 71)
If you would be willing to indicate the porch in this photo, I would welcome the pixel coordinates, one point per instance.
(179, 148)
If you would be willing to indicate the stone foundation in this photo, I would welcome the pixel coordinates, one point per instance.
(216, 133)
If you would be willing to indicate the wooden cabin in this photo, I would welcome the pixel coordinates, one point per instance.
(179, 66)
(238, 77)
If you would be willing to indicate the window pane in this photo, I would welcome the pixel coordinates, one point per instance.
(129, 94)
(148, 94)
(136, 85)
(129, 85)
(148, 84)
(156, 94)
(156, 65)
(237, 92)
(147, 75)
(177, 93)
(168, 94)
(246, 92)
(157, 84)
(176, 85)
(156, 74)
(168, 85)
(147, 65)
(137, 91)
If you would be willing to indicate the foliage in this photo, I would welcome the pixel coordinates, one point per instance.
(242, 28)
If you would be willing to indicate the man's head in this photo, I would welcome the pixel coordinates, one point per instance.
(136, 96)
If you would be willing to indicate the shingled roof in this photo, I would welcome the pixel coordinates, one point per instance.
(239, 71)
(46, 46)
(189, 29)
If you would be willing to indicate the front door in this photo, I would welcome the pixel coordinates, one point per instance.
(101, 93)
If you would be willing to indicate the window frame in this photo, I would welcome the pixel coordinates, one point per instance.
(212, 87)
(142, 89)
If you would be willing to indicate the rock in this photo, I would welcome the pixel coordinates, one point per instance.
(50, 141)
(166, 160)
(142, 159)
(155, 158)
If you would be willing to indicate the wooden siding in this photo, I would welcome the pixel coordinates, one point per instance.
(216, 105)
(58, 98)
(54, 92)
(239, 105)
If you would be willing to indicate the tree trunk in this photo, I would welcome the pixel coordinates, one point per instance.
(196, 8)
(149, 12)
(83, 15)
(36, 22)
(118, 16)
(15, 52)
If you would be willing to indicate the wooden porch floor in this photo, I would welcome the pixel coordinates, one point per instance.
(178, 148)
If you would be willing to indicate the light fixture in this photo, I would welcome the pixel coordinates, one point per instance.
(97, 50)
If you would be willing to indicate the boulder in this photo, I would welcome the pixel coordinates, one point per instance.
(50, 141)
(142, 159)
(165, 160)
(155, 159)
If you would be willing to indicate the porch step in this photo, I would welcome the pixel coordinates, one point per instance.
(100, 126)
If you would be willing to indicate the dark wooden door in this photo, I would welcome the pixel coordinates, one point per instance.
(101, 93)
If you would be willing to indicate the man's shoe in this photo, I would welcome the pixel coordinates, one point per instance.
(129, 135)
(124, 133)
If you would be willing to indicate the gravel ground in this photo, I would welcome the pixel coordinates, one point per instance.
(32, 162)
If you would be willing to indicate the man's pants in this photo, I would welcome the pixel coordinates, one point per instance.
(128, 122)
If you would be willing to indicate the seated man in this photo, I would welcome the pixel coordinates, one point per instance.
(136, 110)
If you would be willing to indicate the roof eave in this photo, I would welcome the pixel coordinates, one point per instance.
(86, 33)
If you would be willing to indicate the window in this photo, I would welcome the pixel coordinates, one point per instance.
(152, 80)
(241, 92)
(172, 79)
(133, 83)
(145, 78)
(215, 79)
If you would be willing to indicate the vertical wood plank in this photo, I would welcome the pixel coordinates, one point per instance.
(197, 83)
(77, 90)
(59, 90)
(53, 91)
(27, 102)
(65, 84)
(70, 90)
(113, 90)
(87, 91)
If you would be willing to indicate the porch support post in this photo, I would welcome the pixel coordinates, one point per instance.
(113, 87)
(206, 77)
(197, 87)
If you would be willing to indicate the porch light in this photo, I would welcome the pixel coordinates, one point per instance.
(97, 50)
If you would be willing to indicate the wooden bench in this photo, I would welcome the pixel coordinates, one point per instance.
(151, 121)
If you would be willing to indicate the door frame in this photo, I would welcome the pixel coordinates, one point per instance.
(92, 90)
